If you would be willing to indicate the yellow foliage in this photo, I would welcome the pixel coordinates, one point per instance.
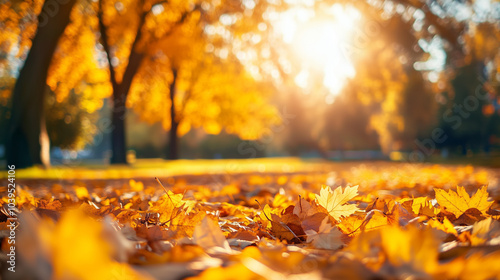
(74, 66)
(334, 202)
(460, 201)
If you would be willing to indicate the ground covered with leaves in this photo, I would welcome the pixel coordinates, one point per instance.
(365, 221)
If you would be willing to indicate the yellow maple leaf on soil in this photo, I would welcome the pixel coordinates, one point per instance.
(335, 201)
(460, 201)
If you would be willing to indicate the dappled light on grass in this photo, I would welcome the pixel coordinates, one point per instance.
(391, 224)
(162, 168)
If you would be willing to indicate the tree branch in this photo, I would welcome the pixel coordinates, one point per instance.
(135, 57)
(182, 19)
(104, 41)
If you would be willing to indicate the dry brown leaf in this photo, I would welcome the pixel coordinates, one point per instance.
(287, 228)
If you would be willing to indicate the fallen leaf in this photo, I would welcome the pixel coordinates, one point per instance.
(81, 258)
(469, 217)
(287, 228)
(422, 206)
(446, 226)
(335, 201)
(355, 224)
(405, 251)
(327, 237)
(208, 235)
(458, 202)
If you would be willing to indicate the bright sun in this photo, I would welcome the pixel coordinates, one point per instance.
(321, 43)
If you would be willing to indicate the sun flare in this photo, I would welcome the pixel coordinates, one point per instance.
(320, 43)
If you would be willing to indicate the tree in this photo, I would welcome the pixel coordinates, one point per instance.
(127, 30)
(153, 27)
(202, 91)
(76, 83)
(27, 141)
(70, 126)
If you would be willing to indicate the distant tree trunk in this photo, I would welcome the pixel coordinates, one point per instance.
(173, 148)
(118, 144)
(120, 93)
(121, 89)
(27, 138)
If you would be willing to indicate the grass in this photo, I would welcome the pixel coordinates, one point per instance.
(165, 168)
(150, 168)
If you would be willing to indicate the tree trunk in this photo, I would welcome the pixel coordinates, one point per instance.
(173, 148)
(27, 140)
(173, 151)
(119, 147)
(121, 89)
(120, 93)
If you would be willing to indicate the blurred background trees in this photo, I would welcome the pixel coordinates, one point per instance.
(305, 78)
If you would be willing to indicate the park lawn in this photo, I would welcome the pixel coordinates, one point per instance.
(165, 168)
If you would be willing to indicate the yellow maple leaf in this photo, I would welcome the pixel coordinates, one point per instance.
(334, 201)
(183, 225)
(169, 206)
(422, 206)
(265, 215)
(460, 201)
(360, 223)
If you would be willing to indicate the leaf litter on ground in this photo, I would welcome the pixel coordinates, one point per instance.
(424, 222)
